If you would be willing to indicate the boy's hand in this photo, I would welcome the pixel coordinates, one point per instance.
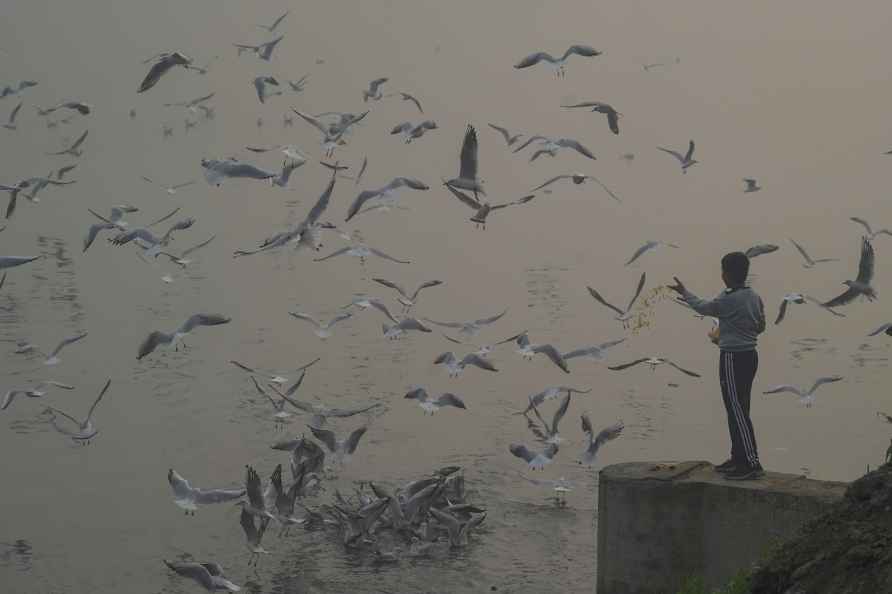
(678, 287)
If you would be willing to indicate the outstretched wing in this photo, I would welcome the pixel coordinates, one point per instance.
(626, 365)
(490, 320)
(352, 441)
(551, 181)
(381, 254)
(682, 369)
(326, 437)
(468, 167)
(597, 297)
(98, 399)
(464, 197)
(865, 265)
(637, 291)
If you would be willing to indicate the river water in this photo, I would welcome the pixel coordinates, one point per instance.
(793, 94)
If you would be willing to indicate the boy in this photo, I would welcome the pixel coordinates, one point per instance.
(741, 316)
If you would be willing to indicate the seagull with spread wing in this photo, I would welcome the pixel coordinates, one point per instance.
(374, 90)
(163, 63)
(272, 28)
(384, 195)
(74, 149)
(686, 160)
(535, 460)
(468, 164)
(209, 575)
(558, 64)
(647, 247)
(577, 179)
(800, 298)
(38, 390)
(264, 51)
(871, 234)
(623, 315)
(321, 329)
(341, 448)
(809, 261)
(10, 122)
(182, 260)
(653, 362)
(595, 442)
(862, 283)
(543, 431)
(157, 337)
(601, 107)
(456, 366)
(551, 147)
(188, 498)
(482, 209)
(806, 397)
(469, 328)
(432, 405)
(85, 430)
(407, 300)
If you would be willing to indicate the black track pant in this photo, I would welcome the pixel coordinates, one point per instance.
(736, 373)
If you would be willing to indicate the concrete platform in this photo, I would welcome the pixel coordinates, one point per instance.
(660, 523)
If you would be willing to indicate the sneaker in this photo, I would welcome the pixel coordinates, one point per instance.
(726, 466)
(746, 473)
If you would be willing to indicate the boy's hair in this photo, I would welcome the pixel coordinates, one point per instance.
(736, 266)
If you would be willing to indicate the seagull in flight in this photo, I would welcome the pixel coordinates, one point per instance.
(482, 209)
(36, 391)
(254, 534)
(192, 104)
(322, 330)
(276, 23)
(208, 574)
(332, 134)
(470, 328)
(386, 194)
(78, 106)
(272, 376)
(527, 350)
(260, 84)
(298, 86)
(653, 362)
(871, 234)
(85, 431)
(344, 448)
(577, 179)
(362, 252)
(408, 97)
(456, 366)
(809, 262)
(10, 122)
(374, 91)
(594, 442)
(884, 329)
(509, 138)
(405, 299)
(760, 249)
(147, 240)
(264, 51)
(13, 261)
(544, 432)
(751, 185)
(281, 415)
(467, 174)
(399, 328)
(288, 167)
(308, 232)
(648, 246)
(163, 63)
(861, 285)
(52, 358)
(432, 405)
(623, 315)
(558, 64)
(806, 397)
(535, 460)
(320, 412)
(600, 107)
(799, 298)
(74, 149)
(14, 192)
(182, 260)
(188, 498)
(156, 337)
(687, 160)
(215, 171)
(550, 393)
(412, 131)
(551, 147)
(171, 190)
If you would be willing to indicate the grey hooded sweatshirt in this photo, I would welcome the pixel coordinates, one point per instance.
(741, 316)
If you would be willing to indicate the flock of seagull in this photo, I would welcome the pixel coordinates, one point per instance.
(433, 509)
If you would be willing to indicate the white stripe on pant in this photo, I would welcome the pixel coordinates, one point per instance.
(746, 437)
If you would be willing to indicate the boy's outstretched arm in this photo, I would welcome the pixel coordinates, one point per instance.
(705, 307)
